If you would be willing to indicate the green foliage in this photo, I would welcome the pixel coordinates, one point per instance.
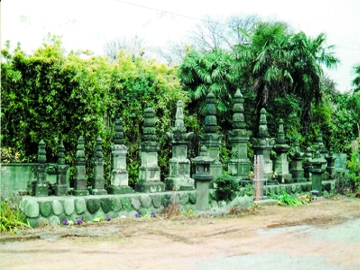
(354, 170)
(11, 217)
(54, 97)
(226, 187)
(287, 199)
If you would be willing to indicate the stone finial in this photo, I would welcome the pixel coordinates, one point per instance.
(119, 132)
(41, 152)
(149, 125)
(263, 128)
(210, 119)
(179, 116)
(280, 138)
(80, 153)
(61, 154)
(98, 149)
(238, 119)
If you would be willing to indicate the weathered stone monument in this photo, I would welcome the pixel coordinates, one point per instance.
(119, 174)
(80, 184)
(330, 168)
(41, 187)
(282, 148)
(98, 177)
(211, 139)
(202, 177)
(317, 169)
(296, 165)
(307, 163)
(149, 172)
(179, 176)
(239, 164)
(263, 145)
(61, 187)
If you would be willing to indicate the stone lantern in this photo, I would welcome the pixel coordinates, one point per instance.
(202, 178)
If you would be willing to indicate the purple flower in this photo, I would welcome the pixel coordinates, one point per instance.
(65, 222)
(79, 221)
(107, 218)
(153, 214)
(137, 215)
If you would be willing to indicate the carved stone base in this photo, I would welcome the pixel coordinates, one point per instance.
(150, 186)
(61, 190)
(41, 190)
(119, 189)
(97, 191)
(179, 183)
(80, 192)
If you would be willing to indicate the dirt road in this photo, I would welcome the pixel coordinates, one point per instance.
(321, 235)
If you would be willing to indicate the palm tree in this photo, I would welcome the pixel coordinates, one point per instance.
(356, 81)
(279, 62)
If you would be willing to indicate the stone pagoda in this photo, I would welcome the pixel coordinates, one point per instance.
(119, 174)
(149, 172)
(61, 187)
(296, 165)
(263, 145)
(41, 187)
(211, 139)
(179, 176)
(98, 179)
(282, 148)
(239, 164)
(80, 183)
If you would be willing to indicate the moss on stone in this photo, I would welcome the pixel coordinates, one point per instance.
(126, 203)
(93, 205)
(45, 208)
(116, 204)
(106, 204)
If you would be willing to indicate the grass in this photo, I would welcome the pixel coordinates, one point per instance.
(11, 218)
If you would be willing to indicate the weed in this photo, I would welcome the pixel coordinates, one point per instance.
(12, 218)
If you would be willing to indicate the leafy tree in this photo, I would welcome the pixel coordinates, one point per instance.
(134, 45)
(356, 80)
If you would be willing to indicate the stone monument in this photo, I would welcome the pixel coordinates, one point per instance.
(149, 172)
(296, 165)
(41, 187)
(179, 176)
(61, 187)
(80, 183)
(239, 164)
(98, 177)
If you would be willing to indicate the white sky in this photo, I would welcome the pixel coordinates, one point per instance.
(88, 24)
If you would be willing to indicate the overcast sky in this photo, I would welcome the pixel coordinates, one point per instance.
(88, 24)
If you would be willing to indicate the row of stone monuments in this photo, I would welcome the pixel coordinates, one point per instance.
(301, 167)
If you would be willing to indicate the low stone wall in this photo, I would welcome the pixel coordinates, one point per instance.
(53, 210)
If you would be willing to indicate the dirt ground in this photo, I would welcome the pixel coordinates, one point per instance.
(322, 235)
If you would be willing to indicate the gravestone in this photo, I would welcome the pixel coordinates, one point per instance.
(239, 164)
(41, 187)
(98, 177)
(179, 175)
(119, 174)
(61, 187)
(149, 172)
(317, 169)
(282, 148)
(263, 145)
(80, 183)
(211, 139)
(296, 165)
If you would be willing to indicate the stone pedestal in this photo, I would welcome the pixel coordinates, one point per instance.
(202, 177)
(41, 187)
(149, 172)
(211, 139)
(179, 176)
(80, 183)
(239, 164)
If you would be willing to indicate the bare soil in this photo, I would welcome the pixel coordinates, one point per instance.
(321, 235)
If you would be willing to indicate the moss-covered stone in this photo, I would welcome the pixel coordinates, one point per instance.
(192, 198)
(80, 206)
(32, 209)
(93, 205)
(106, 204)
(45, 208)
(283, 189)
(58, 208)
(166, 199)
(184, 198)
(54, 220)
(87, 217)
(156, 200)
(69, 206)
(277, 190)
(42, 222)
(33, 222)
(116, 204)
(143, 211)
(135, 202)
(126, 204)
(145, 200)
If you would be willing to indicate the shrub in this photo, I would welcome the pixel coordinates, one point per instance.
(227, 186)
